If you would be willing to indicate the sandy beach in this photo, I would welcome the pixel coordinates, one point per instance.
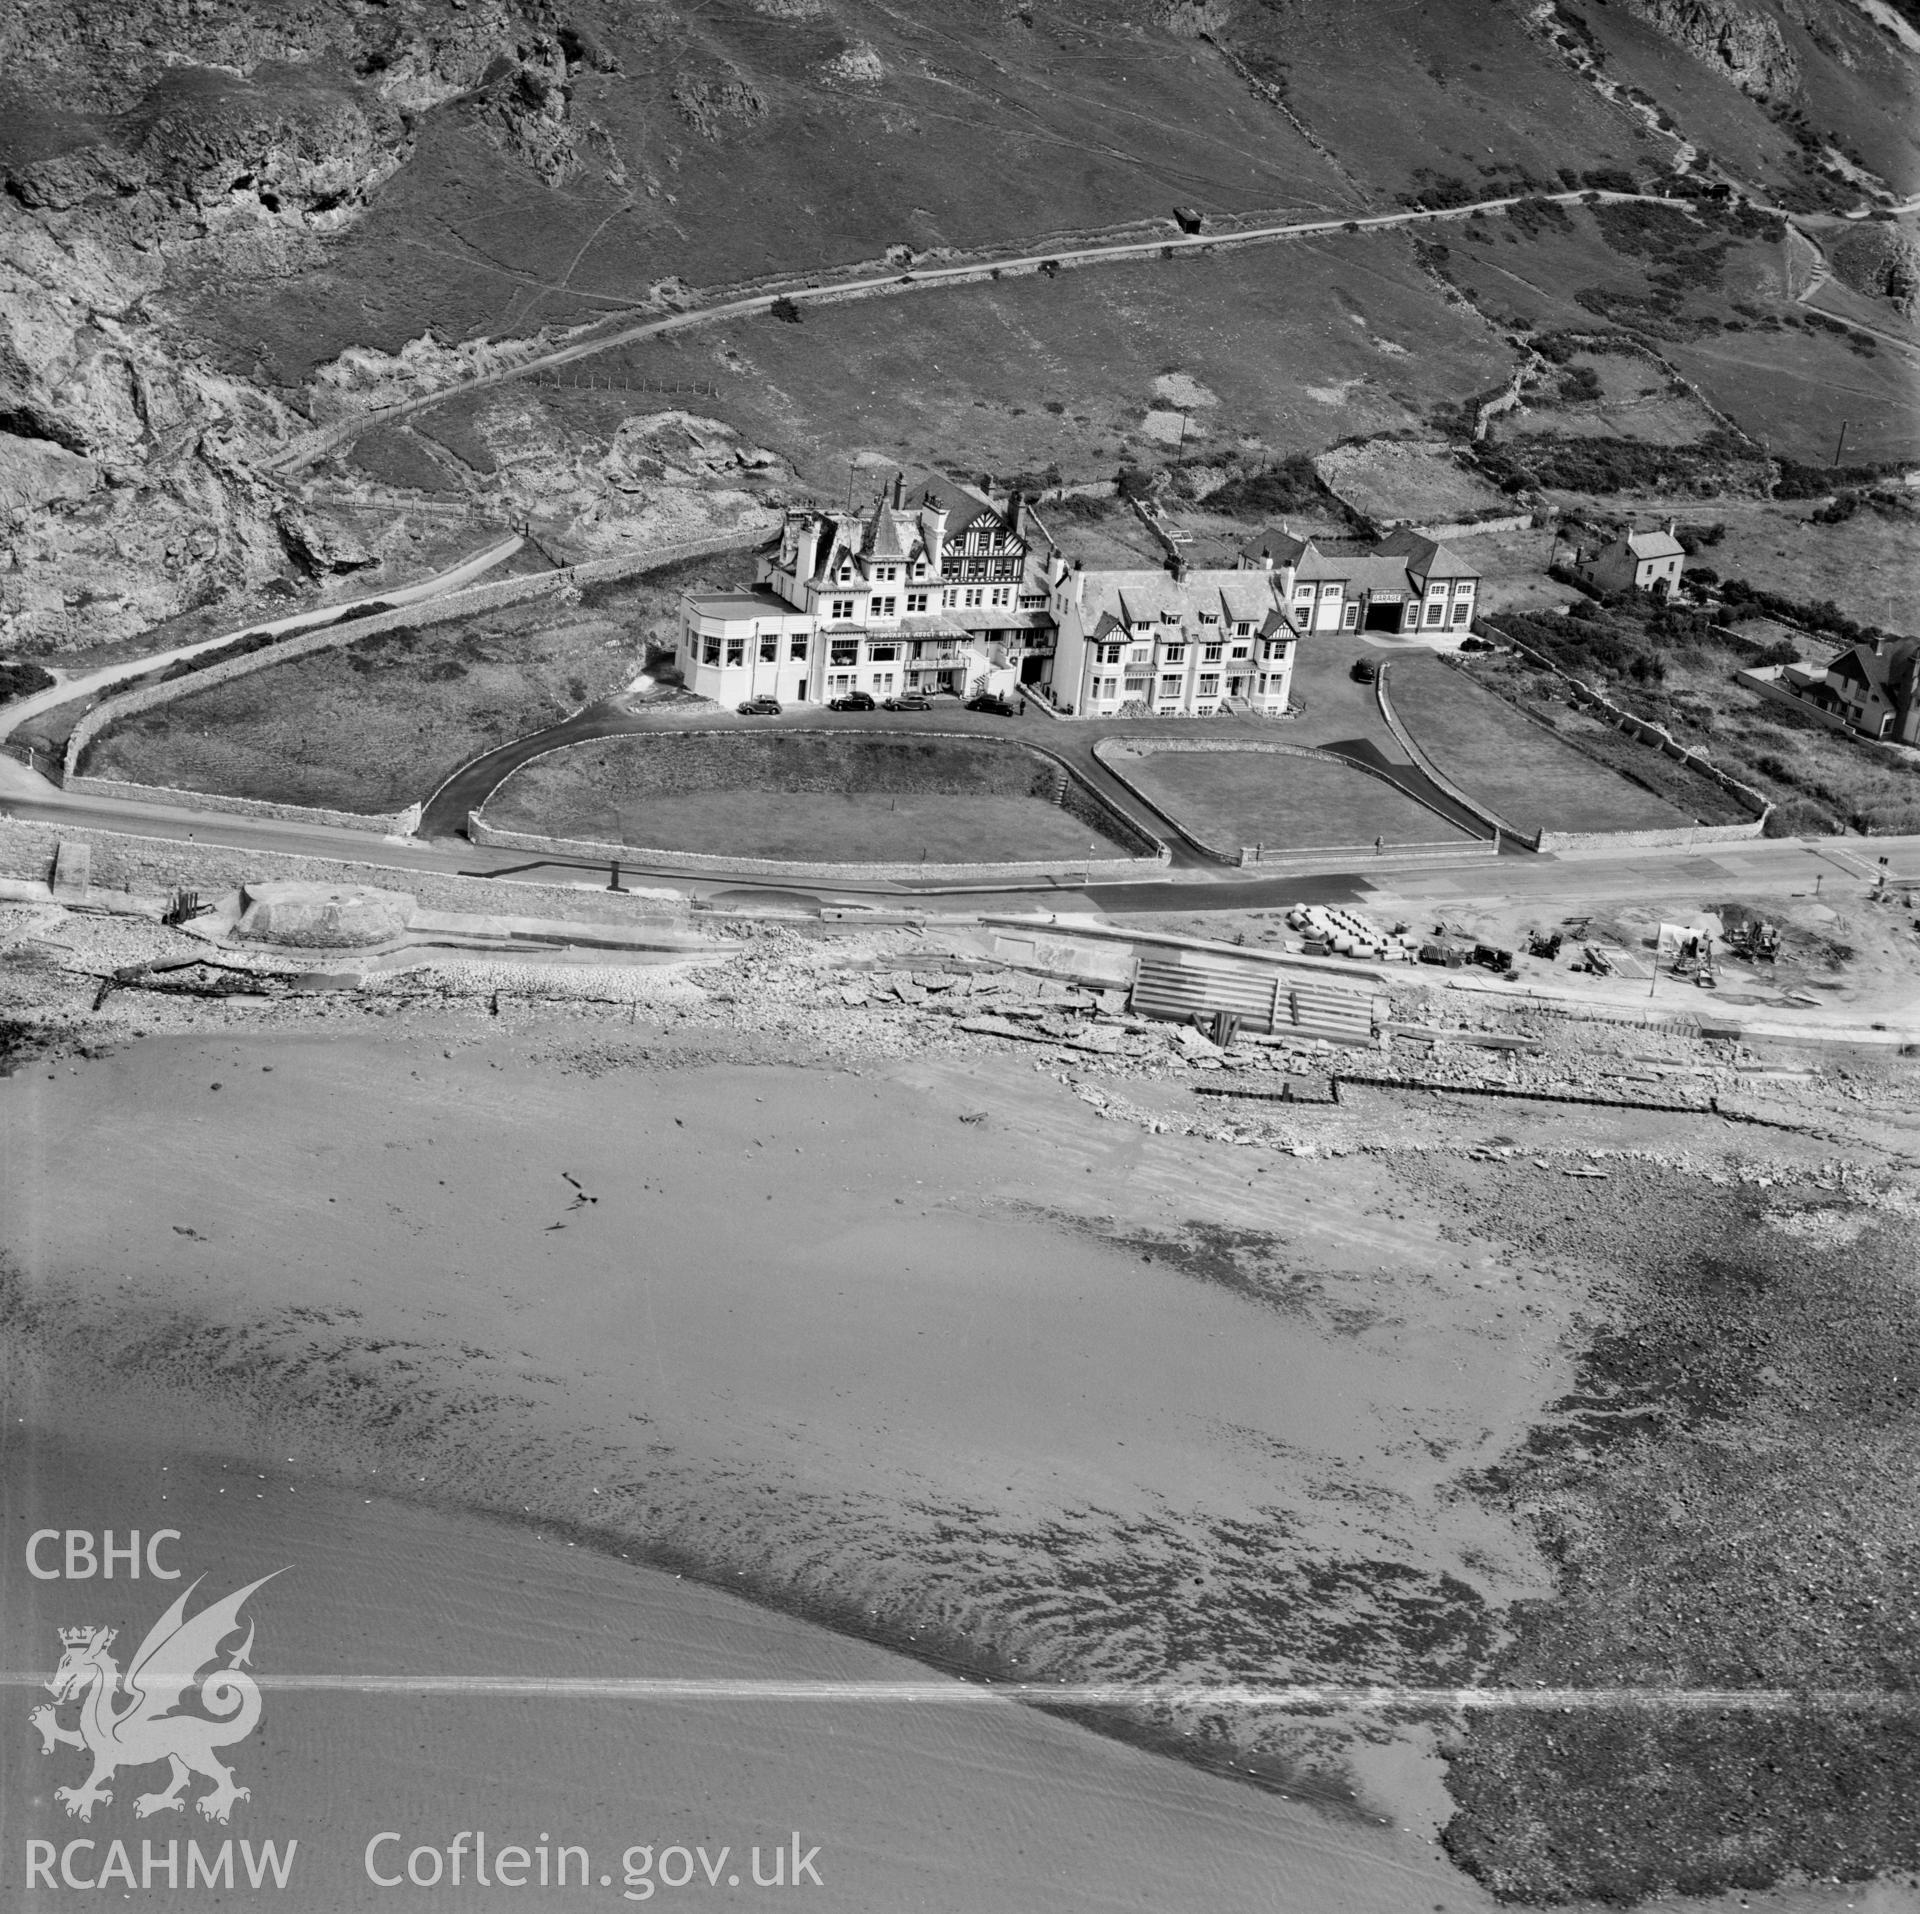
(913, 1354)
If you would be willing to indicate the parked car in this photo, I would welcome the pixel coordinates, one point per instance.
(992, 702)
(910, 701)
(851, 701)
(1364, 671)
(760, 707)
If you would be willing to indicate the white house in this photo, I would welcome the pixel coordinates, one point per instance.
(1639, 561)
(944, 592)
(1173, 642)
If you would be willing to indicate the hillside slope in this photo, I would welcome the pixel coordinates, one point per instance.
(220, 219)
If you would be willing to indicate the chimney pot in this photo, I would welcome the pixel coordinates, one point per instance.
(899, 489)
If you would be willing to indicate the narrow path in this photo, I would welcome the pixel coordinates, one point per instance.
(314, 445)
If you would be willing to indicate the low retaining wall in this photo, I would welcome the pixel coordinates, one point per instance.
(1678, 834)
(700, 864)
(385, 824)
(1107, 750)
(432, 611)
(1347, 857)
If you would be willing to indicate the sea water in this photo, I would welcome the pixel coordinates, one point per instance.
(423, 1714)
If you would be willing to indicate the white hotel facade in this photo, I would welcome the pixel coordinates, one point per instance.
(943, 592)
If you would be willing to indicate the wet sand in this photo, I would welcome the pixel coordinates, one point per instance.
(975, 1387)
(922, 1349)
(910, 1804)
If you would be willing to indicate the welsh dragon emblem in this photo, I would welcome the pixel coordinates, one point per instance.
(134, 1720)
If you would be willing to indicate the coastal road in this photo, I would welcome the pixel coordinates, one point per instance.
(1760, 866)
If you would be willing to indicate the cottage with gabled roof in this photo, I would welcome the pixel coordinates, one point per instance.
(1636, 561)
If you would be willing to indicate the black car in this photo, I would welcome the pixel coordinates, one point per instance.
(1364, 671)
(910, 701)
(851, 701)
(993, 703)
(760, 707)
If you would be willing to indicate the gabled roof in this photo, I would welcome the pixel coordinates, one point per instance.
(1426, 557)
(883, 536)
(1277, 543)
(961, 503)
(1141, 597)
(1660, 544)
(1878, 670)
(1357, 574)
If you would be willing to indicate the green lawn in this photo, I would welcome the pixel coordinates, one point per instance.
(737, 797)
(1512, 764)
(1260, 797)
(374, 725)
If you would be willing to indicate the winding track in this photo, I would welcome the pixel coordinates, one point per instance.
(303, 451)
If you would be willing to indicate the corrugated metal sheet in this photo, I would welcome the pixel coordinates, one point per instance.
(1264, 997)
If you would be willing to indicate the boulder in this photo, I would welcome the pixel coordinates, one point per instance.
(323, 916)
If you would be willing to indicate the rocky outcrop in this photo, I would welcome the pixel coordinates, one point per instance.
(1881, 259)
(1746, 47)
(148, 147)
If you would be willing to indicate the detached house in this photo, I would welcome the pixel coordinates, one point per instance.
(1873, 689)
(1404, 583)
(1172, 643)
(1639, 561)
(943, 591)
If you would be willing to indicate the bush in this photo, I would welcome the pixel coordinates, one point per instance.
(785, 310)
(21, 679)
(1287, 485)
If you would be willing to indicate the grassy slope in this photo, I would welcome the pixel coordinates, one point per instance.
(1516, 766)
(1255, 798)
(1080, 121)
(376, 725)
(1284, 336)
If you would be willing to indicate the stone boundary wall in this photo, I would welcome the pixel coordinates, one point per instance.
(465, 602)
(384, 824)
(1487, 816)
(1149, 855)
(1468, 527)
(1646, 840)
(1642, 731)
(1106, 750)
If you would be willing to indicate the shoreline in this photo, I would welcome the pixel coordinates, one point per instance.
(1383, 1330)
